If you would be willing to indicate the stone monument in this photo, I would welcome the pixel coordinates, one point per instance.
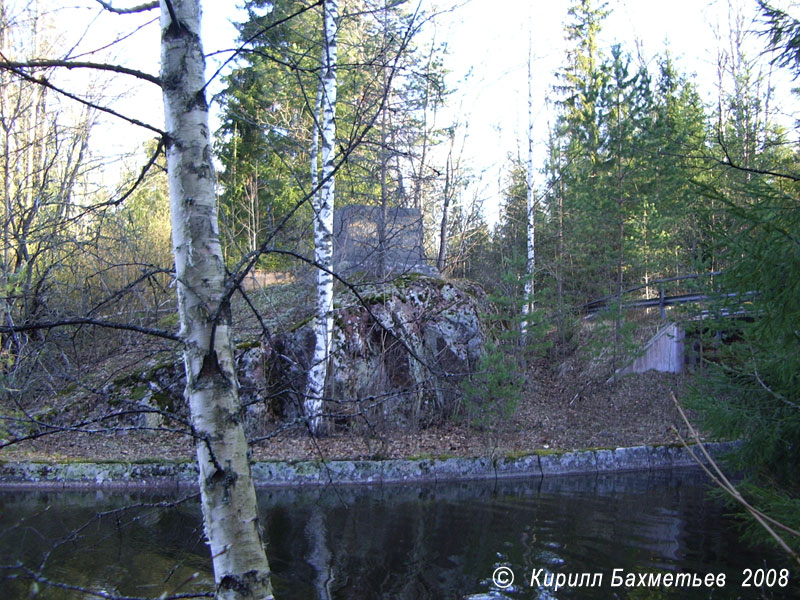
(366, 244)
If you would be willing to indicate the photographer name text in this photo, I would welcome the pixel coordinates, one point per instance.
(503, 578)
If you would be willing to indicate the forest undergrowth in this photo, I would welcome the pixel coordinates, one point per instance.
(563, 403)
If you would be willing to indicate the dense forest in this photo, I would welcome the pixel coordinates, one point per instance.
(647, 190)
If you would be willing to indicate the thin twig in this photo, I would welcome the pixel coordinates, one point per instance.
(74, 64)
(90, 321)
(128, 11)
(45, 83)
(722, 481)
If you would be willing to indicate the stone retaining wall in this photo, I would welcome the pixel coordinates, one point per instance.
(304, 473)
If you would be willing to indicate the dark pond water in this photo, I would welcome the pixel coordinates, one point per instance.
(442, 541)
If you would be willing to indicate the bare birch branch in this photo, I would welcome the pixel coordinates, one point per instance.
(89, 321)
(128, 11)
(73, 64)
(44, 82)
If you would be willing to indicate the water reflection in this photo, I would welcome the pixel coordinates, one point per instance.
(319, 555)
(84, 539)
(441, 541)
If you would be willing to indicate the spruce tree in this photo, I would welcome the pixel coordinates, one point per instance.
(751, 391)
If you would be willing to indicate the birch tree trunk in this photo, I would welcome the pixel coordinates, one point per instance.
(227, 494)
(323, 224)
(447, 193)
(530, 264)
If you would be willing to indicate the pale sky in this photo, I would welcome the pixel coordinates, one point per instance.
(486, 38)
(490, 37)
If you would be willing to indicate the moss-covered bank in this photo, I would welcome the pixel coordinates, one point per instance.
(297, 473)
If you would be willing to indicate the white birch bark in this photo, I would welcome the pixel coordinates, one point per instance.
(227, 494)
(449, 176)
(530, 264)
(315, 148)
(323, 224)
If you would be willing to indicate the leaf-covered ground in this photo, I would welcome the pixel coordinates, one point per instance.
(565, 404)
(555, 413)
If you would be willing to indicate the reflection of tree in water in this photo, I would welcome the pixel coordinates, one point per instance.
(319, 555)
(406, 542)
(444, 541)
(381, 549)
(137, 545)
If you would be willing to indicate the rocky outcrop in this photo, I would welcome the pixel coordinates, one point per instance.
(399, 354)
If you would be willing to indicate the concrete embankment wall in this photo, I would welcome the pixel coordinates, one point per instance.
(346, 472)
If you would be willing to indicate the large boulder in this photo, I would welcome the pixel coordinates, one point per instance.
(399, 354)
